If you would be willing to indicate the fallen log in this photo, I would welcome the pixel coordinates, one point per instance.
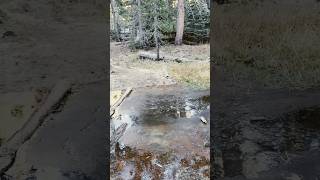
(119, 101)
(116, 134)
(153, 56)
(149, 55)
(190, 42)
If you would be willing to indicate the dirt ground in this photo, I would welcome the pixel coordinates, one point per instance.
(124, 74)
(129, 71)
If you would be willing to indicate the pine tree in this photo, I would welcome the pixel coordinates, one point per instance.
(180, 22)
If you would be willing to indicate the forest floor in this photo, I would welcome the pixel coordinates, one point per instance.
(127, 70)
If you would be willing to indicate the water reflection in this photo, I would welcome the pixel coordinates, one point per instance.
(166, 138)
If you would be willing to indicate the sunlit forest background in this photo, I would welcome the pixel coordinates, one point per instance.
(145, 23)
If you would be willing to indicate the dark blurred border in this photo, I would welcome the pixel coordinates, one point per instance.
(108, 87)
(211, 89)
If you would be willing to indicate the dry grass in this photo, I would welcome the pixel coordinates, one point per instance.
(276, 44)
(194, 74)
(192, 52)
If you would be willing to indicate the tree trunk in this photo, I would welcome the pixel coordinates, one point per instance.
(208, 4)
(115, 19)
(140, 33)
(180, 22)
(156, 36)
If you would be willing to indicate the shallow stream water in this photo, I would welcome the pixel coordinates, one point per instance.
(165, 137)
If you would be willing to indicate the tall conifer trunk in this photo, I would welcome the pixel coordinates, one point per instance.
(115, 19)
(180, 23)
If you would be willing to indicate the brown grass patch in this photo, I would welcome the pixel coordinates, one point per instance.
(194, 74)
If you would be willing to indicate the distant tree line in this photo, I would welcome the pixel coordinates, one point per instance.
(151, 23)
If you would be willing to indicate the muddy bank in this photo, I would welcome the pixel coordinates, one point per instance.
(165, 137)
